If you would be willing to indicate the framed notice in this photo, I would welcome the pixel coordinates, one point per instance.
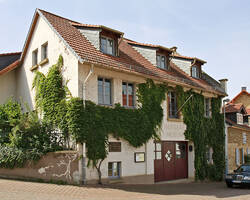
(139, 157)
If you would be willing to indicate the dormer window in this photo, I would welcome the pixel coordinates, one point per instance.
(161, 61)
(195, 72)
(108, 46)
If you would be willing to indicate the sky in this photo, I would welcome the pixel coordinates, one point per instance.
(217, 31)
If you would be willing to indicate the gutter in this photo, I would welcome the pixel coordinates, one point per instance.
(82, 147)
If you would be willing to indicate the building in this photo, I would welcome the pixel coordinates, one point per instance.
(104, 67)
(238, 129)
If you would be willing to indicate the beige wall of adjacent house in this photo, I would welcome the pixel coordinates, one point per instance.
(244, 99)
(235, 140)
(42, 34)
(170, 130)
(7, 86)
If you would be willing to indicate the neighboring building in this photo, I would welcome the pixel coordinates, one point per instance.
(238, 129)
(115, 66)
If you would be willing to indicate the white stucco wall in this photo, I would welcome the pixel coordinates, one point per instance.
(148, 53)
(183, 64)
(7, 86)
(170, 131)
(92, 35)
(42, 34)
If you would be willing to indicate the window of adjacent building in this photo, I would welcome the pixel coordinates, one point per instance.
(44, 51)
(239, 118)
(108, 45)
(207, 107)
(161, 61)
(195, 72)
(34, 57)
(158, 151)
(172, 105)
(244, 138)
(114, 169)
(114, 146)
(128, 94)
(104, 91)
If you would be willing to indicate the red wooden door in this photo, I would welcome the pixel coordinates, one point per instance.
(169, 160)
(181, 162)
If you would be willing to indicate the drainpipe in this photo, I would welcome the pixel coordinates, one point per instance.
(82, 147)
(226, 136)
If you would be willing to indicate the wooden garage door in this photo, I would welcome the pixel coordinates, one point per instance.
(170, 160)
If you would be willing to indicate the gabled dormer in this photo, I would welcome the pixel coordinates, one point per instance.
(157, 55)
(101, 37)
(191, 65)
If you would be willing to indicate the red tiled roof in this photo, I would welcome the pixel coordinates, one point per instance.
(9, 61)
(177, 55)
(129, 60)
(233, 107)
(147, 45)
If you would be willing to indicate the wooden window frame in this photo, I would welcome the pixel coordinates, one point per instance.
(35, 56)
(106, 50)
(157, 151)
(170, 116)
(207, 113)
(159, 63)
(197, 71)
(44, 46)
(119, 170)
(103, 91)
(127, 96)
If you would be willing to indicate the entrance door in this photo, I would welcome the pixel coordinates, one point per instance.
(170, 160)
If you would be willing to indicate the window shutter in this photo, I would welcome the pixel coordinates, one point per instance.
(237, 157)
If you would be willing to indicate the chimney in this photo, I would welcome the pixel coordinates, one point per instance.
(173, 50)
(243, 88)
(223, 83)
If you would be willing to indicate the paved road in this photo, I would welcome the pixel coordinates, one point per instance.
(18, 190)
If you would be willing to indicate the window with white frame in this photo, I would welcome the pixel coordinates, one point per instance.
(207, 107)
(239, 118)
(104, 91)
(195, 71)
(108, 46)
(244, 138)
(127, 94)
(161, 61)
(34, 57)
(114, 169)
(44, 51)
(172, 105)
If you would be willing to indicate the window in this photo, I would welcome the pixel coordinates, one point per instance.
(114, 169)
(44, 51)
(207, 107)
(108, 46)
(34, 57)
(172, 105)
(244, 138)
(195, 72)
(239, 118)
(114, 146)
(209, 155)
(161, 61)
(180, 150)
(127, 94)
(158, 151)
(104, 91)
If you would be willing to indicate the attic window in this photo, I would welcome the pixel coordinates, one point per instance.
(161, 61)
(195, 72)
(108, 46)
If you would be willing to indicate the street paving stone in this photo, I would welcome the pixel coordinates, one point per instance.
(21, 190)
